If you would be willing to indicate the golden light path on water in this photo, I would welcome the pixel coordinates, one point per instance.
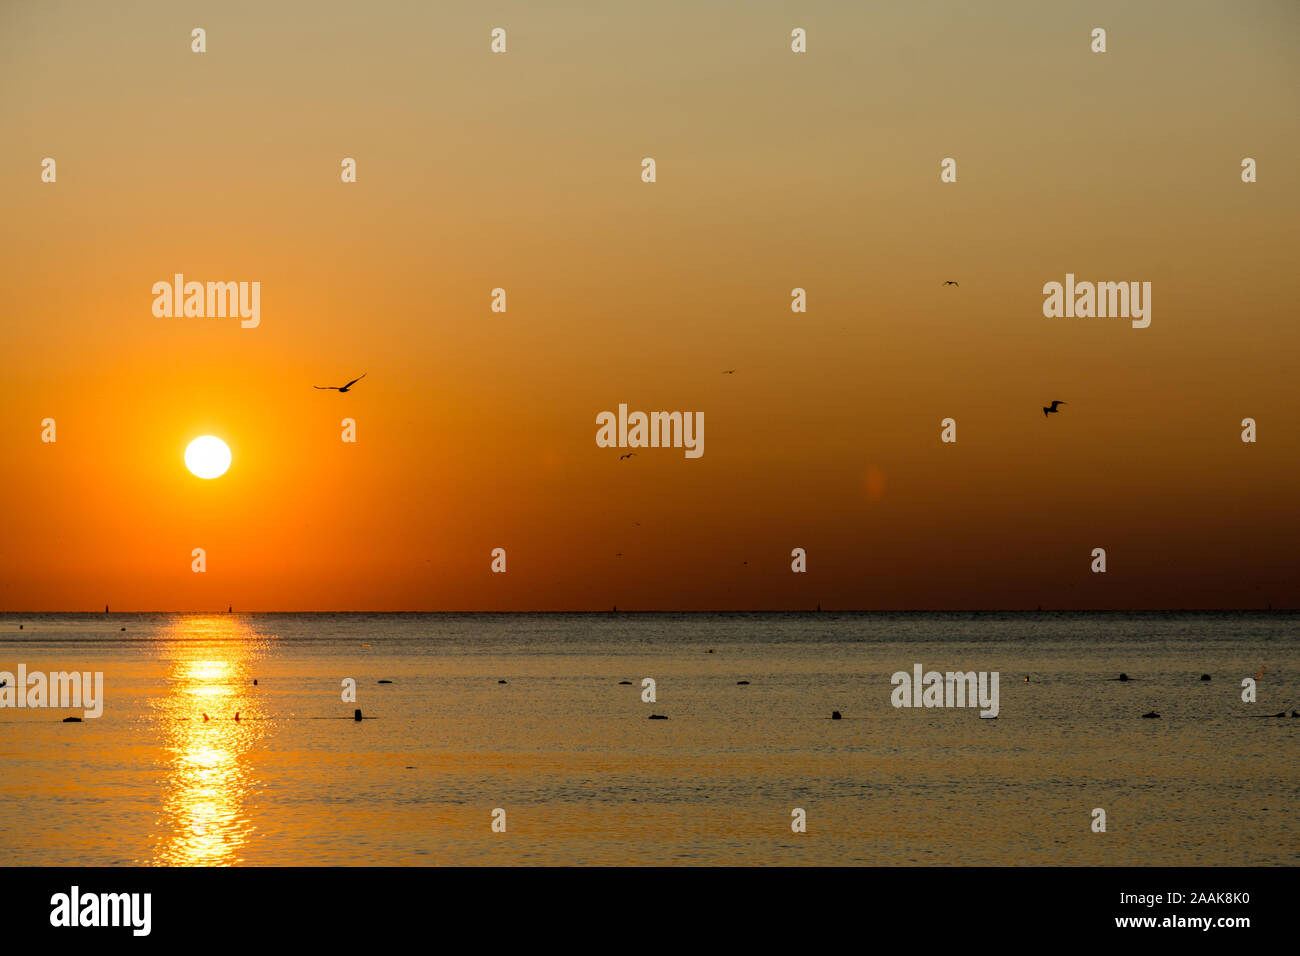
(204, 819)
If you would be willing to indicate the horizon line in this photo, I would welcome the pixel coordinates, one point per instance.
(611, 611)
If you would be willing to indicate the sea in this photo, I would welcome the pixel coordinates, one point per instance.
(526, 739)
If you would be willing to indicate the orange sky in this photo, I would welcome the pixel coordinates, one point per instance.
(775, 170)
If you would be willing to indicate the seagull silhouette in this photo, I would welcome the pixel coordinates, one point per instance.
(1047, 411)
(342, 388)
(630, 454)
(950, 282)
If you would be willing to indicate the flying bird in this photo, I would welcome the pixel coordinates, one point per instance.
(630, 454)
(1047, 411)
(342, 388)
(950, 282)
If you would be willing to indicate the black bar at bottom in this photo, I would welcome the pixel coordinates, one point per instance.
(235, 907)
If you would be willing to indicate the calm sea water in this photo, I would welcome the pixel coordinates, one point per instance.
(585, 777)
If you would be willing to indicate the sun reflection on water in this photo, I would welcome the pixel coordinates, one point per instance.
(204, 819)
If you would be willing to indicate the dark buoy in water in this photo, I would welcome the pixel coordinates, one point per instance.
(500, 682)
(20, 627)
(1205, 677)
(627, 682)
(356, 714)
(1295, 713)
(72, 720)
(741, 682)
(124, 629)
(835, 715)
(254, 681)
(236, 715)
(658, 717)
(385, 682)
(1151, 715)
(205, 717)
(1123, 676)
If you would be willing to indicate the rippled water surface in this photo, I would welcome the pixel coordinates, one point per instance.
(585, 777)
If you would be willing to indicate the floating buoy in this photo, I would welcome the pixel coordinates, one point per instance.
(385, 682)
(835, 715)
(740, 683)
(1205, 677)
(1123, 677)
(356, 714)
(72, 720)
(500, 682)
(627, 682)
(1151, 715)
(658, 717)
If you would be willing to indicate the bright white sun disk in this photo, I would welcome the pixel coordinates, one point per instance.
(208, 456)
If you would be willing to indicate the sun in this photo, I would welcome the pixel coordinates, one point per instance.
(207, 456)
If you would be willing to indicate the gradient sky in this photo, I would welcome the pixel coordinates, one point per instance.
(775, 170)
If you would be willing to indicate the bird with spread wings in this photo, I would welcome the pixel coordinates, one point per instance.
(342, 388)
